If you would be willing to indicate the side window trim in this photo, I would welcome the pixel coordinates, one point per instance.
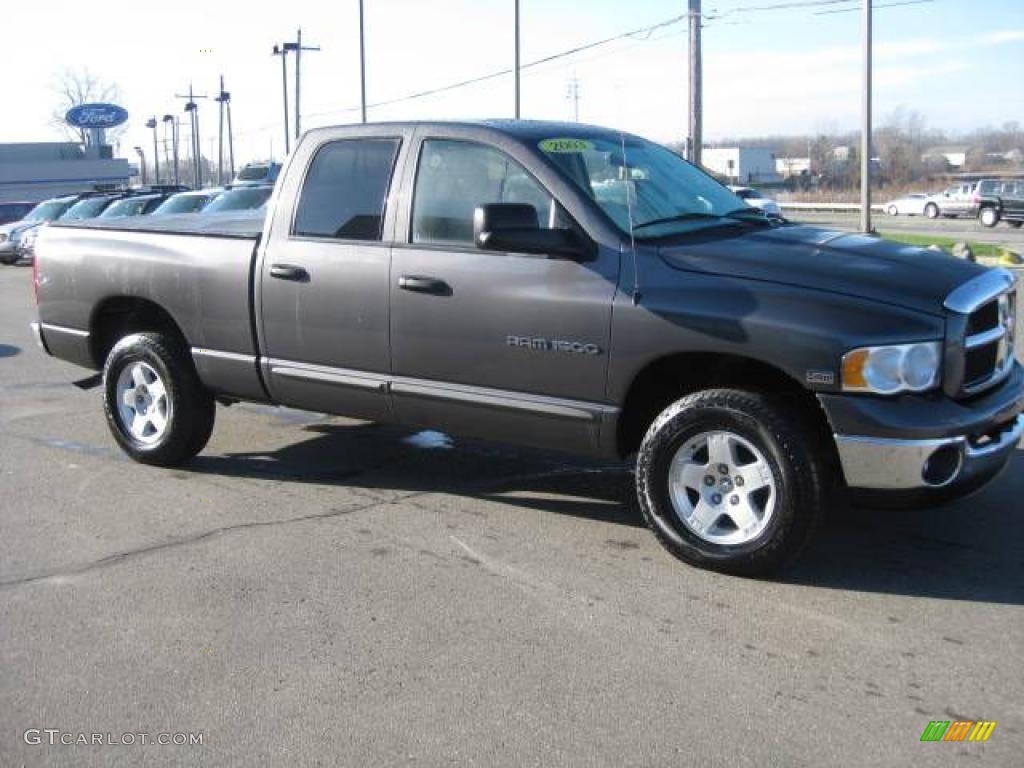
(388, 188)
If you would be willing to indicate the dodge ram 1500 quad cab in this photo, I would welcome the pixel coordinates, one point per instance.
(561, 286)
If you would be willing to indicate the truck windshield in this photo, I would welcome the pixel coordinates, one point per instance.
(649, 189)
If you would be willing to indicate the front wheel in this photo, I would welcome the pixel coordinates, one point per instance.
(729, 480)
(989, 217)
(892, 210)
(157, 409)
(931, 211)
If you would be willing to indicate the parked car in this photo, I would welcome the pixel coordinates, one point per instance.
(187, 202)
(247, 198)
(134, 205)
(92, 206)
(758, 199)
(465, 277)
(953, 201)
(998, 200)
(257, 173)
(11, 234)
(908, 205)
(14, 211)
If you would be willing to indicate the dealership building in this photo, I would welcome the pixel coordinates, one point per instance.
(37, 171)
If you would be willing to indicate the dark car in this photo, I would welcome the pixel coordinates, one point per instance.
(996, 200)
(14, 211)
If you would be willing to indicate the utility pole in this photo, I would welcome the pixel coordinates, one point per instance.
(865, 137)
(220, 132)
(173, 122)
(298, 47)
(193, 109)
(573, 94)
(282, 51)
(696, 86)
(231, 137)
(517, 60)
(362, 63)
(151, 123)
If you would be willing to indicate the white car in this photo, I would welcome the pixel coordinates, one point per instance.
(908, 205)
(758, 199)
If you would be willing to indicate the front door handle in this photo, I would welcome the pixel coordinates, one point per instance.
(289, 272)
(420, 284)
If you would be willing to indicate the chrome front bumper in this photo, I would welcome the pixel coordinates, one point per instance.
(874, 463)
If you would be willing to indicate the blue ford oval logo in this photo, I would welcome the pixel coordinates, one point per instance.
(96, 115)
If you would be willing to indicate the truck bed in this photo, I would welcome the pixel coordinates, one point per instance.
(198, 272)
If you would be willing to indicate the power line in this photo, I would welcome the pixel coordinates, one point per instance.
(875, 7)
(648, 30)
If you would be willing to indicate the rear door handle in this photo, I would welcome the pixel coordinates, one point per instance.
(421, 284)
(289, 272)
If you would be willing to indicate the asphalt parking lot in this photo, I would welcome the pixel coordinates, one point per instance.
(319, 591)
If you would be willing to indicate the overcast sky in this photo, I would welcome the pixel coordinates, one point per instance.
(785, 71)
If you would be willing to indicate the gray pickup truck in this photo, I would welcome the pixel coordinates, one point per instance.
(560, 286)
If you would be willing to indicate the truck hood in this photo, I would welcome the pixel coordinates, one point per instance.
(827, 260)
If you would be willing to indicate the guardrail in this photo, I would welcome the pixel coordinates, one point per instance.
(827, 206)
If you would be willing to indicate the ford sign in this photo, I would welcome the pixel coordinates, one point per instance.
(96, 115)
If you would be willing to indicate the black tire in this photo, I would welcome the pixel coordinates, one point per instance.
(9, 260)
(931, 211)
(792, 448)
(988, 217)
(190, 408)
(892, 210)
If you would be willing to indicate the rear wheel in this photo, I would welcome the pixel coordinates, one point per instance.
(157, 409)
(989, 217)
(728, 480)
(931, 211)
(892, 210)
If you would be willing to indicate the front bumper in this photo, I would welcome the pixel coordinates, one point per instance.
(927, 443)
(887, 464)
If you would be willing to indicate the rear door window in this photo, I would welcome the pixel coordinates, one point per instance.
(345, 191)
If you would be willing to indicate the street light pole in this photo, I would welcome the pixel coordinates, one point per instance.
(173, 121)
(362, 64)
(142, 164)
(696, 86)
(193, 109)
(220, 133)
(282, 51)
(151, 123)
(865, 137)
(517, 62)
(224, 99)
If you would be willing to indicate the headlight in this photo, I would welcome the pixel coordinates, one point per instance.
(888, 370)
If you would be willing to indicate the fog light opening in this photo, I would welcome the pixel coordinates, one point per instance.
(942, 467)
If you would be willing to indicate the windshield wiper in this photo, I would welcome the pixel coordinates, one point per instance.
(688, 216)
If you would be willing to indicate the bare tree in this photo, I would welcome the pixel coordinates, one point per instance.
(79, 86)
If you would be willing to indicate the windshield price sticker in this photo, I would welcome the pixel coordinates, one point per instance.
(566, 145)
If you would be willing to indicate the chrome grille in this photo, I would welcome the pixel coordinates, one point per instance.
(986, 328)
